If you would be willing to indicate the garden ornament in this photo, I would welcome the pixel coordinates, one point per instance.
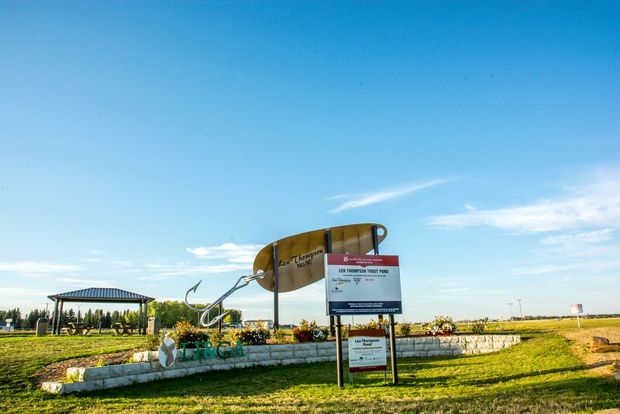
(243, 281)
(167, 352)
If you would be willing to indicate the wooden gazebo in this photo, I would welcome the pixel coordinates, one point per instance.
(99, 295)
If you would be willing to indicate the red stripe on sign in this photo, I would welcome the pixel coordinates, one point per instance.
(362, 260)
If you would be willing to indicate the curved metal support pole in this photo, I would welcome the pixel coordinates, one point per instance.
(243, 281)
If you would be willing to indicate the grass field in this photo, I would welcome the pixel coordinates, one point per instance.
(542, 374)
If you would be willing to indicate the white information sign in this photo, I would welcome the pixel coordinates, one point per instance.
(576, 308)
(358, 284)
(367, 351)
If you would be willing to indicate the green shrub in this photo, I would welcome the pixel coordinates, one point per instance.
(383, 324)
(186, 333)
(478, 327)
(249, 336)
(310, 332)
(404, 328)
(279, 336)
(216, 336)
(152, 342)
(442, 325)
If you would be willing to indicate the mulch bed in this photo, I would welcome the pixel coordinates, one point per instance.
(58, 370)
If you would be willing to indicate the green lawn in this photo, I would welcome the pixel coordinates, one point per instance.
(539, 375)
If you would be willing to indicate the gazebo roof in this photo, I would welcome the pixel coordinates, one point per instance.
(94, 294)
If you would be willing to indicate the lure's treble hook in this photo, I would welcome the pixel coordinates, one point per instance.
(205, 311)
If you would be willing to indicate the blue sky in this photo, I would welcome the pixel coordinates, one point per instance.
(148, 145)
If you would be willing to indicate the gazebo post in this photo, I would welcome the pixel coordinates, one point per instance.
(59, 318)
(139, 318)
(55, 315)
(146, 316)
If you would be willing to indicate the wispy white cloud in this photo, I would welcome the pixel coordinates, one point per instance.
(573, 241)
(596, 266)
(23, 298)
(81, 282)
(365, 199)
(94, 252)
(595, 205)
(161, 271)
(11, 292)
(28, 267)
(230, 252)
(92, 259)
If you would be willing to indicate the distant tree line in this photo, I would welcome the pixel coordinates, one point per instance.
(169, 312)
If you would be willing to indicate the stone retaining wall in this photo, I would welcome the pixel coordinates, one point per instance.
(147, 367)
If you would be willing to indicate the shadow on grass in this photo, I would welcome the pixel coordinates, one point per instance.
(575, 368)
(314, 390)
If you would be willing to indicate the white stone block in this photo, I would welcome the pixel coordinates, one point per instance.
(118, 382)
(317, 359)
(53, 387)
(222, 367)
(76, 373)
(245, 364)
(282, 348)
(410, 354)
(305, 353)
(293, 361)
(268, 363)
(447, 345)
(305, 347)
(258, 356)
(326, 352)
(282, 355)
(68, 388)
(328, 345)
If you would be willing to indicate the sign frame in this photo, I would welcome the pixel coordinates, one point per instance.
(362, 284)
(368, 356)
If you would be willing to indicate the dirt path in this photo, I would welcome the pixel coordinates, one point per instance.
(580, 342)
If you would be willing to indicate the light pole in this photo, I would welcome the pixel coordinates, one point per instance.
(520, 309)
(510, 305)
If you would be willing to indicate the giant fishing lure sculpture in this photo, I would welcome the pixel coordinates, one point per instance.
(300, 261)
(242, 282)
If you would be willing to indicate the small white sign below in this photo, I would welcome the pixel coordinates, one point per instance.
(367, 350)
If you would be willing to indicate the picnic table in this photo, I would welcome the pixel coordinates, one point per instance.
(122, 328)
(77, 329)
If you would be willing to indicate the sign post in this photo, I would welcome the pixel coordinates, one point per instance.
(577, 308)
(364, 285)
